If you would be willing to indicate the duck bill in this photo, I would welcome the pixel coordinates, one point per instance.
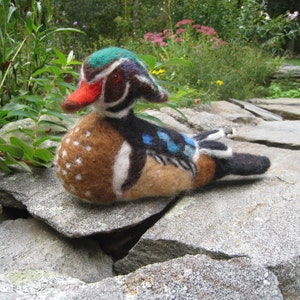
(86, 94)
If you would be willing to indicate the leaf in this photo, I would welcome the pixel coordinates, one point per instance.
(177, 110)
(28, 150)
(46, 138)
(43, 155)
(149, 60)
(12, 9)
(22, 113)
(15, 151)
(151, 118)
(4, 167)
(43, 164)
(23, 165)
(61, 57)
(177, 62)
(59, 115)
(70, 57)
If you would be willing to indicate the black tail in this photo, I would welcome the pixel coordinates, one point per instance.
(242, 164)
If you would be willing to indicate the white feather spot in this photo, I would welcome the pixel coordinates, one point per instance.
(88, 194)
(64, 172)
(76, 129)
(68, 140)
(76, 143)
(68, 165)
(78, 161)
(64, 154)
(78, 177)
(88, 148)
(87, 133)
(120, 169)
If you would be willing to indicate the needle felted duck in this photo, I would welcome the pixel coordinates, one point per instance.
(113, 155)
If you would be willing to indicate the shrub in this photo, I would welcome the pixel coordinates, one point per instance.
(219, 70)
(34, 78)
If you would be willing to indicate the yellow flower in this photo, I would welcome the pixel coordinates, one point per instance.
(158, 72)
(219, 82)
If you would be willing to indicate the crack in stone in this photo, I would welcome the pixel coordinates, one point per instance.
(149, 252)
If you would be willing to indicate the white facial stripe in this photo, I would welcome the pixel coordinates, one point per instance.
(112, 104)
(120, 114)
(109, 69)
(144, 79)
(120, 169)
(81, 75)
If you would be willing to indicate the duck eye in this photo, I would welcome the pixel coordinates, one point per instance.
(116, 77)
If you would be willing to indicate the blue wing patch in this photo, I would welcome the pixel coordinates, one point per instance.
(171, 145)
(147, 139)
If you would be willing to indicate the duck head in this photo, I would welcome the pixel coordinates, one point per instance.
(112, 79)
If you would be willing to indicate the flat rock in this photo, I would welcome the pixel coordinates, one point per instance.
(288, 108)
(287, 70)
(201, 120)
(258, 218)
(284, 134)
(231, 112)
(45, 198)
(28, 244)
(259, 112)
(189, 277)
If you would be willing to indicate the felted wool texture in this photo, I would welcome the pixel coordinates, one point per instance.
(206, 167)
(86, 157)
(159, 180)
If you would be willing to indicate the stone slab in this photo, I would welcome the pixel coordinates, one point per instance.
(189, 277)
(45, 198)
(232, 112)
(288, 108)
(201, 120)
(287, 70)
(257, 217)
(259, 112)
(28, 244)
(284, 134)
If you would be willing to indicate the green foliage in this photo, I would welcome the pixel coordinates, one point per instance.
(284, 89)
(219, 70)
(262, 23)
(34, 78)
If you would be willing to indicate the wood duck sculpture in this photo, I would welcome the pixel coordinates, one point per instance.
(112, 155)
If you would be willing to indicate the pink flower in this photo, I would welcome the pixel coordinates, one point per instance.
(206, 30)
(168, 33)
(196, 26)
(149, 36)
(179, 40)
(184, 22)
(180, 30)
(158, 40)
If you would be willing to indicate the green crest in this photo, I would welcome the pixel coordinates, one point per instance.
(101, 58)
